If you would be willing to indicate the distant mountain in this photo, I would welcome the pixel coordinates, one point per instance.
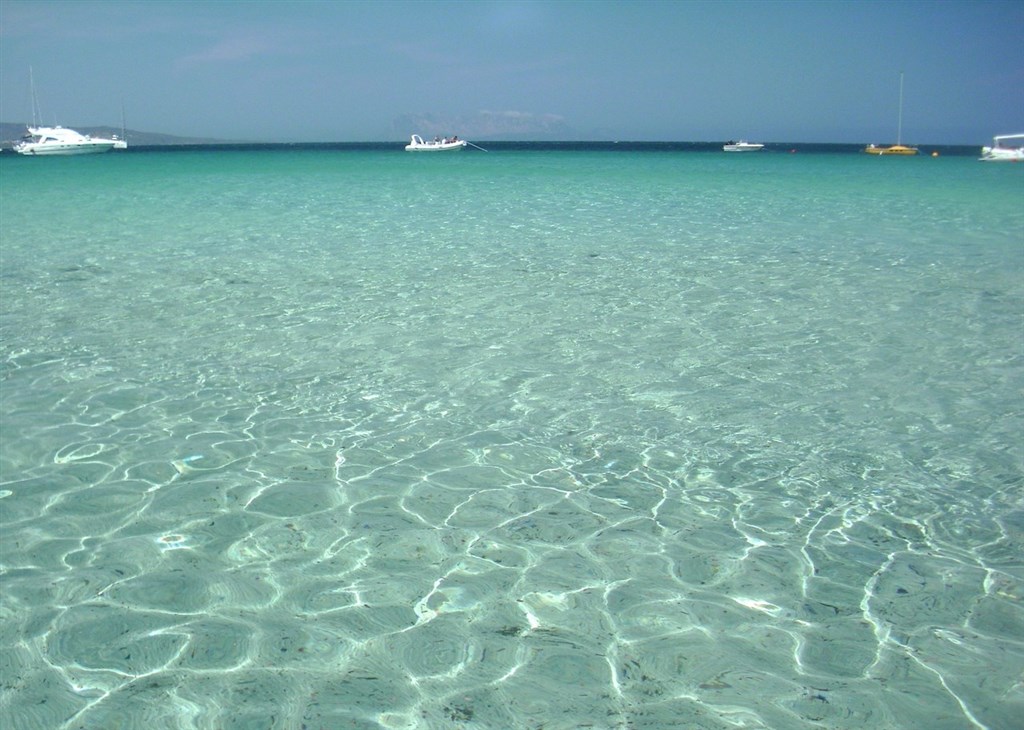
(11, 133)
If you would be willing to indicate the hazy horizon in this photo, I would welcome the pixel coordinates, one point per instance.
(11, 131)
(305, 71)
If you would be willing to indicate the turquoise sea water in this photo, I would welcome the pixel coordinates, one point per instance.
(520, 439)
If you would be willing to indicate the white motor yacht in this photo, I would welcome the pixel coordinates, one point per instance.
(62, 141)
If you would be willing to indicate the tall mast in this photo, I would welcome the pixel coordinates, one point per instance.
(899, 129)
(33, 98)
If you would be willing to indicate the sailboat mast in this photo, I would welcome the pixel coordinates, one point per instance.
(899, 128)
(33, 98)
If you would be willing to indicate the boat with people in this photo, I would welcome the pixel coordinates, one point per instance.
(63, 141)
(438, 144)
(1005, 148)
(899, 148)
(742, 146)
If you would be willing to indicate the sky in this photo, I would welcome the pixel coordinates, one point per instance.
(351, 71)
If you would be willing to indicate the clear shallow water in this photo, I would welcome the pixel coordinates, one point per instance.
(511, 440)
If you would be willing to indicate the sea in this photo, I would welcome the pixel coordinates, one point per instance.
(528, 437)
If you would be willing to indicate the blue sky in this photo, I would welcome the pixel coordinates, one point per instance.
(813, 71)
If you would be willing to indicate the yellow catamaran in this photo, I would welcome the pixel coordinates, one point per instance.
(899, 148)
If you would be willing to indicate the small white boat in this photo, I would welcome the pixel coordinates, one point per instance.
(1005, 148)
(447, 144)
(742, 147)
(61, 141)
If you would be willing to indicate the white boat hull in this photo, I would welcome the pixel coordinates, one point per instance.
(71, 149)
(992, 155)
(743, 147)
